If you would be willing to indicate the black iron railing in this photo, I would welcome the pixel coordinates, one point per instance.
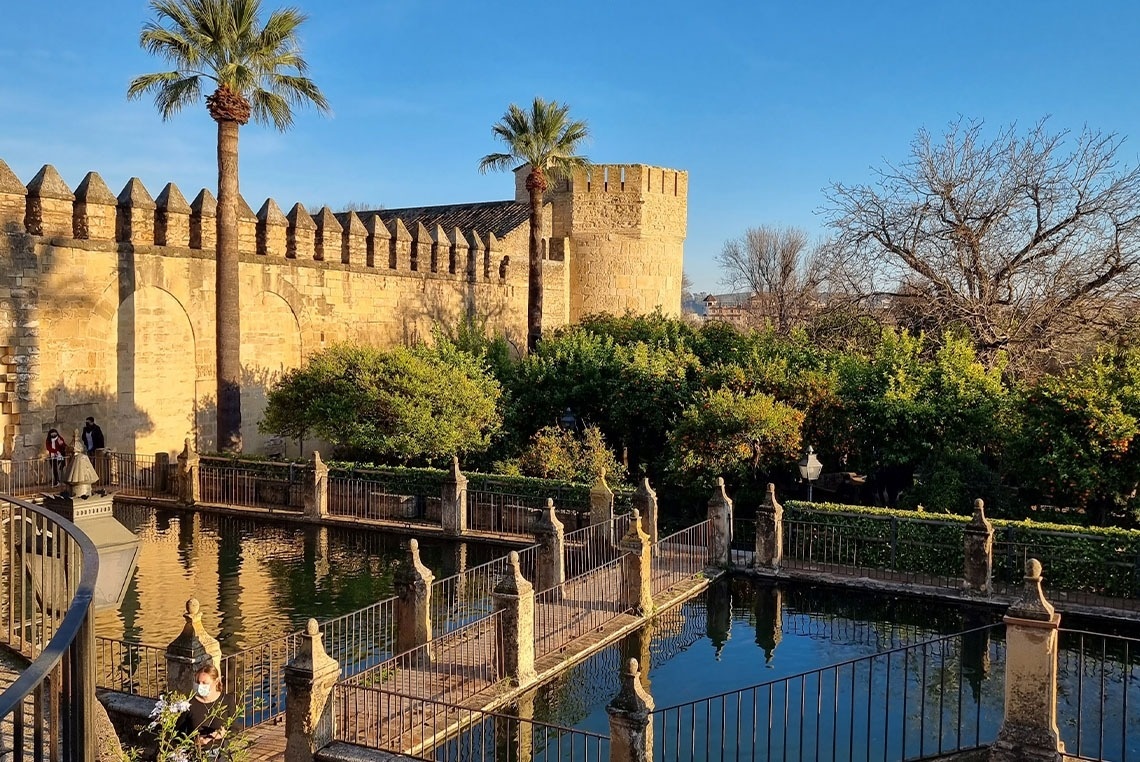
(49, 571)
(917, 701)
(1098, 695)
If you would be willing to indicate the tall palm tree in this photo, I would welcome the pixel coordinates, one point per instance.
(257, 71)
(547, 139)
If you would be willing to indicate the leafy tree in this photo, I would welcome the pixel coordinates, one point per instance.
(1077, 439)
(1030, 242)
(745, 438)
(546, 139)
(557, 453)
(418, 404)
(258, 72)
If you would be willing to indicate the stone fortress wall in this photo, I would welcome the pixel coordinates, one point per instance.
(107, 304)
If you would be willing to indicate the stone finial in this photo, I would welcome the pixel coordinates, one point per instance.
(81, 475)
(513, 582)
(9, 183)
(547, 519)
(135, 195)
(979, 522)
(49, 184)
(771, 504)
(379, 241)
(311, 655)
(329, 236)
(301, 233)
(719, 496)
(172, 217)
(193, 647)
(400, 245)
(1032, 604)
(456, 474)
(354, 244)
(49, 210)
(632, 696)
(413, 571)
(420, 258)
(635, 538)
(189, 456)
(272, 239)
(441, 250)
(93, 190)
(458, 253)
(203, 228)
(170, 199)
(94, 211)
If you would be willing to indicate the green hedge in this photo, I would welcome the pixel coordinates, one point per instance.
(1100, 560)
(427, 481)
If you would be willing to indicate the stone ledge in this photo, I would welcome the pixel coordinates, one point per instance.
(339, 751)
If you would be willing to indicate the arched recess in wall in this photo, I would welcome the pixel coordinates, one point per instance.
(270, 345)
(151, 366)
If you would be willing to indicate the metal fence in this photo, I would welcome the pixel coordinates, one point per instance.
(128, 667)
(368, 499)
(1098, 695)
(283, 489)
(127, 474)
(680, 556)
(501, 512)
(49, 573)
(921, 700)
(578, 607)
(453, 733)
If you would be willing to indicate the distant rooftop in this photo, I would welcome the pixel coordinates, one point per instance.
(497, 217)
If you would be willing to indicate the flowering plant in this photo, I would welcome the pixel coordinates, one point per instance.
(172, 743)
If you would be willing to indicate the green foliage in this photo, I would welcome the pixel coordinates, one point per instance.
(419, 403)
(1098, 560)
(171, 745)
(557, 453)
(1076, 439)
(737, 436)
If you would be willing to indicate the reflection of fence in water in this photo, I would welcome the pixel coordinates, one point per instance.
(924, 699)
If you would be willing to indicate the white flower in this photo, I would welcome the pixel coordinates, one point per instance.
(180, 707)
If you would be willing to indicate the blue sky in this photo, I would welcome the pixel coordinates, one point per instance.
(764, 103)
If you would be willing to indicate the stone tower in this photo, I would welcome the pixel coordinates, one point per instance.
(619, 231)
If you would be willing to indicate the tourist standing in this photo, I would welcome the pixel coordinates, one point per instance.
(92, 436)
(56, 450)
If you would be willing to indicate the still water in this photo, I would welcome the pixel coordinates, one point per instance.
(258, 580)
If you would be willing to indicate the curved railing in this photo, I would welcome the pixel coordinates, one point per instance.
(49, 571)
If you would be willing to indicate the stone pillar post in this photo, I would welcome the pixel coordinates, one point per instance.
(601, 501)
(309, 680)
(720, 526)
(413, 606)
(453, 499)
(979, 552)
(187, 488)
(550, 535)
(317, 492)
(1029, 730)
(161, 471)
(514, 597)
(631, 727)
(193, 649)
(645, 501)
(637, 568)
(769, 532)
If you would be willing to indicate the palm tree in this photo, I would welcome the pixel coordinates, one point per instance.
(546, 139)
(257, 71)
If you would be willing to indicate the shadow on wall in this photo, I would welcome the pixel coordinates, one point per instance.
(436, 309)
(255, 385)
(73, 404)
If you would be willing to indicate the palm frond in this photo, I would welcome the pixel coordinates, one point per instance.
(224, 40)
(543, 136)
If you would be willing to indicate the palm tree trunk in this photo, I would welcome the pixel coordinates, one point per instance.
(535, 185)
(228, 315)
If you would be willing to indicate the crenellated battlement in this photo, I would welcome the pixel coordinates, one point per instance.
(629, 178)
(48, 208)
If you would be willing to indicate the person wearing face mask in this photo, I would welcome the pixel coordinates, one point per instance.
(210, 711)
(56, 450)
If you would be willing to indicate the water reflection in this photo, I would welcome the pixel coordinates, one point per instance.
(258, 580)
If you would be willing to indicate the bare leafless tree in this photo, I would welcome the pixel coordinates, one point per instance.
(780, 272)
(1027, 241)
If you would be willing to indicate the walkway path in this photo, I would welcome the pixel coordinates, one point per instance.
(390, 707)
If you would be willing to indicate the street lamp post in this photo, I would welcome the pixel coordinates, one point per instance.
(810, 468)
(568, 421)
